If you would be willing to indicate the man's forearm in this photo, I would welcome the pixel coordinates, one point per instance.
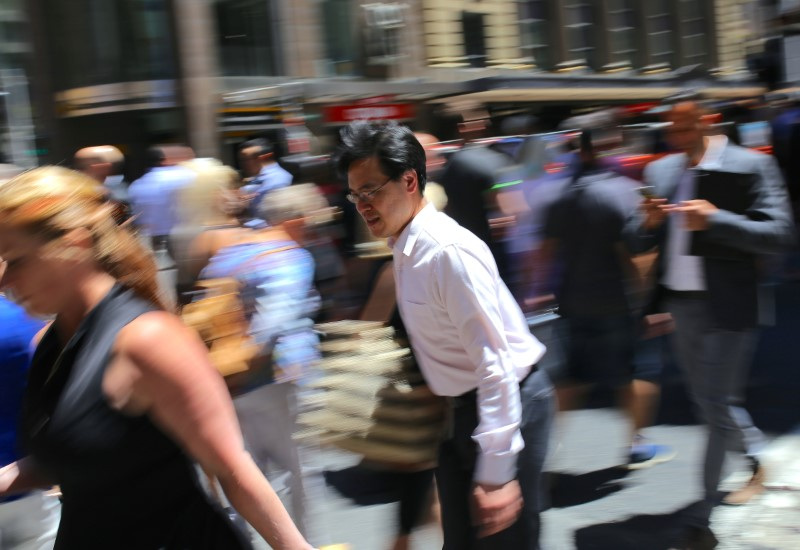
(497, 434)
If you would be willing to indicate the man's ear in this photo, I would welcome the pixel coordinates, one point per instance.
(410, 180)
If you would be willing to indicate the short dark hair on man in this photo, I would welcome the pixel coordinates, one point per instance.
(155, 156)
(395, 147)
(263, 145)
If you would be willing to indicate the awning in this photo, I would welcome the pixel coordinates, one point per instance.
(568, 94)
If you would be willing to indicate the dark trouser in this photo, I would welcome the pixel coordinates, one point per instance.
(457, 456)
(715, 363)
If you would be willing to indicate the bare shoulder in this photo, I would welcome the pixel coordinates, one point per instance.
(157, 335)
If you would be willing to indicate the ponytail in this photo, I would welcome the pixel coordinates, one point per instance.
(121, 255)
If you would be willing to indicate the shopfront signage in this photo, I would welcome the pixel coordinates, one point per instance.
(343, 114)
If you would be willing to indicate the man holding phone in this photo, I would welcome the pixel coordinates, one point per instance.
(714, 301)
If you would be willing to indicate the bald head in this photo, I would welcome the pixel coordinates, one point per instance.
(433, 157)
(99, 161)
(686, 109)
(687, 128)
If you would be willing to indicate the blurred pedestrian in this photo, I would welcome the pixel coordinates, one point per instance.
(121, 397)
(28, 520)
(470, 339)
(154, 203)
(468, 179)
(153, 197)
(104, 163)
(257, 158)
(207, 205)
(714, 298)
(276, 276)
(587, 231)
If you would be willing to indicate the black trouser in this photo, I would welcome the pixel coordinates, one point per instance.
(457, 456)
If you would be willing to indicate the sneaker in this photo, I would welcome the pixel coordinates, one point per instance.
(644, 455)
(753, 488)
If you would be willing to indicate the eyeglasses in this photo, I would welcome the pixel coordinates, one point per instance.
(366, 196)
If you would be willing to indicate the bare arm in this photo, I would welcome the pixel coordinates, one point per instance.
(22, 476)
(199, 254)
(163, 370)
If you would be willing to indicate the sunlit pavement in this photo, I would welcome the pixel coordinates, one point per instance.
(595, 504)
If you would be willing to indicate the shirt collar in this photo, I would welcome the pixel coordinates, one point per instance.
(116, 179)
(408, 236)
(268, 168)
(712, 158)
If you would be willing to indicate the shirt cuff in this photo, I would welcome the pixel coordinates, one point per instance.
(496, 469)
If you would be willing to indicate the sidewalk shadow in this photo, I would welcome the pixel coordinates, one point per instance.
(362, 485)
(573, 489)
(366, 486)
(651, 532)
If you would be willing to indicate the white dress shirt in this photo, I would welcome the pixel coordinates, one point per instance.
(467, 331)
(683, 271)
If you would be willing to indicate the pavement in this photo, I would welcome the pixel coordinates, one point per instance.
(595, 504)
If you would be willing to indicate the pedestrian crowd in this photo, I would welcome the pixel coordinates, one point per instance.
(118, 428)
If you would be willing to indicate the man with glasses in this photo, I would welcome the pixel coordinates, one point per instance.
(470, 339)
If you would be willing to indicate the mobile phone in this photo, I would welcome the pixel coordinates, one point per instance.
(647, 191)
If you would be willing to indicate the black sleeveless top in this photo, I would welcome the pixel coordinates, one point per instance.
(125, 484)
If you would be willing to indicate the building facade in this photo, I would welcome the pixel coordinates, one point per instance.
(212, 72)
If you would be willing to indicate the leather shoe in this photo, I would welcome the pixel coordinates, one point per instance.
(697, 538)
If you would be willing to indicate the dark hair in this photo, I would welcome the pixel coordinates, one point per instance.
(155, 156)
(395, 147)
(264, 146)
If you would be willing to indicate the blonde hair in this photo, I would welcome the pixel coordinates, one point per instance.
(51, 201)
(199, 202)
(300, 200)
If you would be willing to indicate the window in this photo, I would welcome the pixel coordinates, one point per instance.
(660, 32)
(695, 35)
(533, 21)
(579, 17)
(106, 41)
(621, 31)
(339, 35)
(472, 26)
(247, 37)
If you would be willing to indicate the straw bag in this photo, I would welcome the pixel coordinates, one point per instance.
(372, 399)
(218, 316)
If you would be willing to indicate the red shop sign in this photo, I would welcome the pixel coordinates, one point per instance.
(349, 113)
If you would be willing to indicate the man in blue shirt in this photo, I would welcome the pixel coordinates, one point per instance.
(257, 158)
(27, 520)
(153, 195)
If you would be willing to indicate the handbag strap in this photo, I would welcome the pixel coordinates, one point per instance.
(256, 257)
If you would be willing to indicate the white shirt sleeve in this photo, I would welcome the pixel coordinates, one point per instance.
(467, 284)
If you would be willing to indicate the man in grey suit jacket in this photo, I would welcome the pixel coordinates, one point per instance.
(714, 299)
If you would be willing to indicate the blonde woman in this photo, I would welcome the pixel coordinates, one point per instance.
(208, 203)
(276, 276)
(121, 396)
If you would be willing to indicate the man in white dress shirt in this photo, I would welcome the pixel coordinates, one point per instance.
(470, 339)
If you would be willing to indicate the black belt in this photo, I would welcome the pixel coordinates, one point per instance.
(687, 294)
(471, 396)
